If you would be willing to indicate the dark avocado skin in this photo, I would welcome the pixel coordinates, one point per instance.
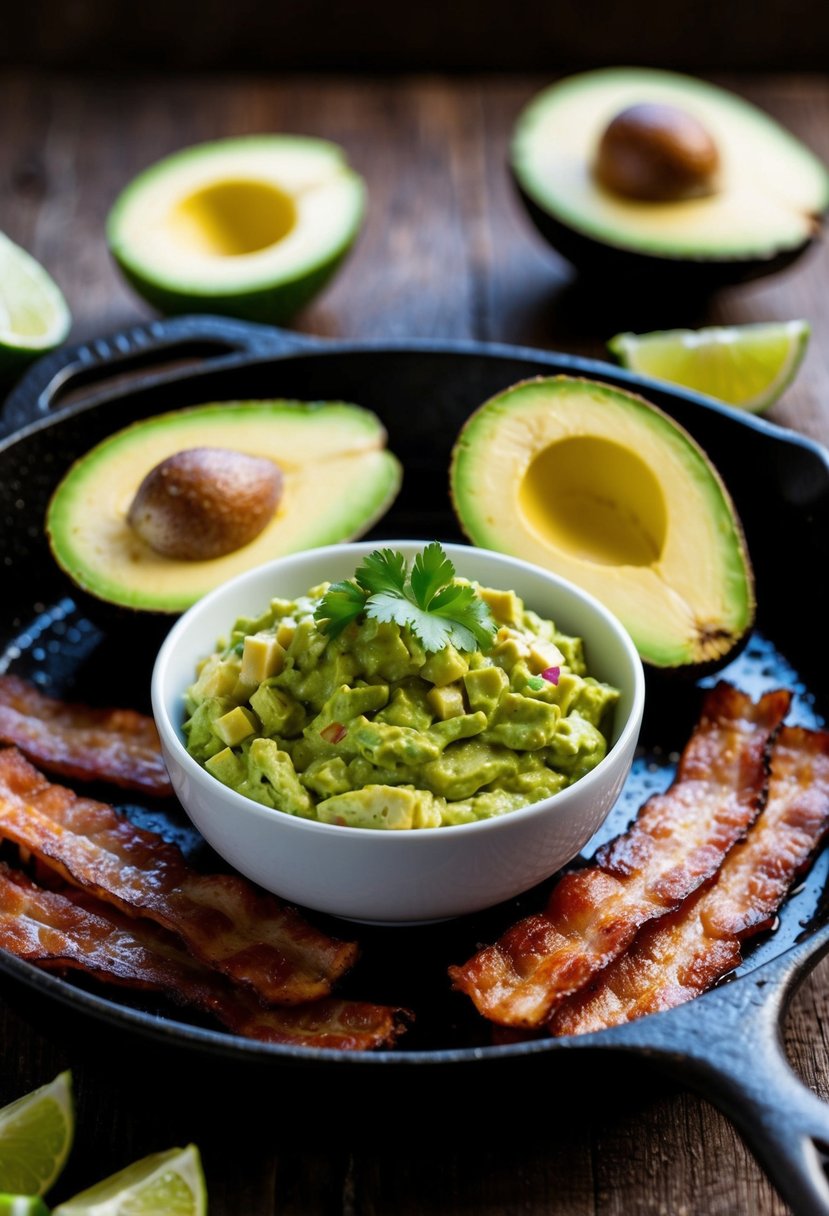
(697, 275)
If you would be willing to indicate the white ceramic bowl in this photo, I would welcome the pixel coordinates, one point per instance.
(405, 876)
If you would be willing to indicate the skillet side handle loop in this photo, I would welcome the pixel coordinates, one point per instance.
(728, 1045)
(143, 350)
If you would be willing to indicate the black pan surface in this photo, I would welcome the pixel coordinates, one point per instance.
(423, 393)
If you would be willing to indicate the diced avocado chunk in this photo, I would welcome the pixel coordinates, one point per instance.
(316, 684)
(344, 706)
(235, 725)
(227, 767)
(266, 763)
(381, 806)
(408, 706)
(446, 702)
(576, 747)
(593, 699)
(510, 647)
(505, 606)
(279, 712)
(383, 649)
(202, 739)
(444, 666)
(385, 745)
(307, 646)
(262, 656)
(327, 775)
(285, 631)
(466, 767)
(484, 688)
(573, 651)
(523, 723)
(462, 727)
(217, 678)
(543, 655)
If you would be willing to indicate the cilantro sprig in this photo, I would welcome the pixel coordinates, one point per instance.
(437, 609)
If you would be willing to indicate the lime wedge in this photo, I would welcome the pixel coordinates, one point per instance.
(748, 366)
(22, 1205)
(164, 1184)
(35, 1138)
(34, 317)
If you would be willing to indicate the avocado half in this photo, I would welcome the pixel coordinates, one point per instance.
(772, 191)
(252, 227)
(604, 489)
(338, 479)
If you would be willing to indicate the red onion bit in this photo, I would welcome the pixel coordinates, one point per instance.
(335, 732)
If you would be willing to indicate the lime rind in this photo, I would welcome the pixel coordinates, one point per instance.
(36, 1134)
(34, 316)
(747, 366)
(22, 1205)
(169, 1183)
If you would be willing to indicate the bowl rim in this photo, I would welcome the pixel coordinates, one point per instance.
(171, 738)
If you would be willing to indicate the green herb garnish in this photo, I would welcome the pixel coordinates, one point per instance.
(436, 608)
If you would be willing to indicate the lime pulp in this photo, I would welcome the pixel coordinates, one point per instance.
(747, 366)
(36, 1135)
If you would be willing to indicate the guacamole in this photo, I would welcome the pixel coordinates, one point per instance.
(369, 729)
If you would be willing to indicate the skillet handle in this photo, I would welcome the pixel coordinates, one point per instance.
(154, 350)
(728, 1045)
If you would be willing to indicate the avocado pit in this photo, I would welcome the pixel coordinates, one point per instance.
(655, 152)
(202, 503)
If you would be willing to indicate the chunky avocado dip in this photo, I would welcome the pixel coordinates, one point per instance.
(351, 706)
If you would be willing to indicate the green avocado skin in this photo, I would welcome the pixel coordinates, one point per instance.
(264, 294)
(696, 275)
(273, 303)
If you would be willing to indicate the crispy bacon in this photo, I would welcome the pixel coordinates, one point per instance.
(226, 922)
(115, 745)
(676, 844)
(70, 931)
(682, 955)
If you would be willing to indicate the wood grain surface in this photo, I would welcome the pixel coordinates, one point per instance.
(447, 252)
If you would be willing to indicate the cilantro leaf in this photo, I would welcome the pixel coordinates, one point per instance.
(429, 602)
(432, 631)
(431, 570)
(471, 619)
(383, 570)
(342, 603)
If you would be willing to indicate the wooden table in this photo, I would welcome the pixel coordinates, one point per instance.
(447, 252)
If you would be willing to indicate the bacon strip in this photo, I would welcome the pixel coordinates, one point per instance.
(682, 955)
(115, 745)
(676, 843)
(226, 922)
(69, 931)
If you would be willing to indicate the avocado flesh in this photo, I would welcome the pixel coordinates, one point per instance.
(338, 479)
(602, 488)
(252, 227)
(766, 211)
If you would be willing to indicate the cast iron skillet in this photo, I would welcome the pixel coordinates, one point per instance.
(726, 1044)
